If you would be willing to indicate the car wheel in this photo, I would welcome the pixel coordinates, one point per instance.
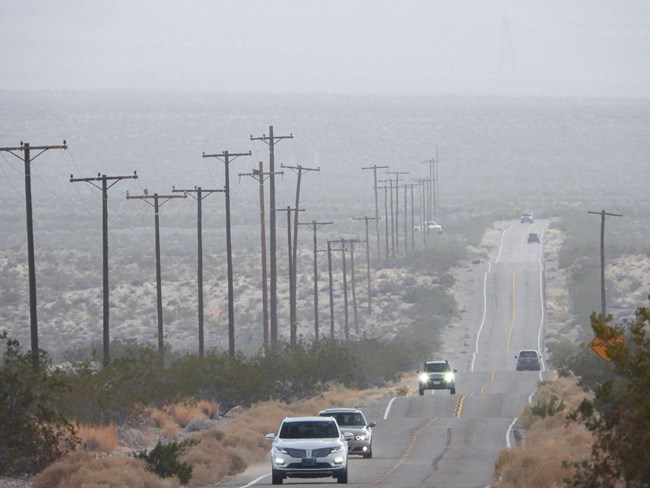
(421, 391)
(368, 454)
(342, 478)
(276, 478)
(453, 390)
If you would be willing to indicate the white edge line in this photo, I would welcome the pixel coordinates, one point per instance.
(508, 432)
(254, 482)
(388, 407)
(541, 296)
(478, 334)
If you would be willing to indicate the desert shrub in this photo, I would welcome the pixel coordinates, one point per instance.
(80, 470)
(34, 432)
(102, 438)
(164, 460)
(548, 408)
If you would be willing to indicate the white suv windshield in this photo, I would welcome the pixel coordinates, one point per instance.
(309, 430)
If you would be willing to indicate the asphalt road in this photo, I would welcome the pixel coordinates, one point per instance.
(444, 440)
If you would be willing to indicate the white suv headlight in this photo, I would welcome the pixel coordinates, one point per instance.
(449, 377)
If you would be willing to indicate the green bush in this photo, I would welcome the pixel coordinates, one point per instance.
(547, 409)
(34, 433)
(164, 460)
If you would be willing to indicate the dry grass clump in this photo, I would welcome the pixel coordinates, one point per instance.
(539, 464)
(211, 460)
(81, 470)
(99, 438)
(549, 443)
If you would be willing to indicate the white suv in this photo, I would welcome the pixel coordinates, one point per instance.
(309, 447)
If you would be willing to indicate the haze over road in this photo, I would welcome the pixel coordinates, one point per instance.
(443, 440)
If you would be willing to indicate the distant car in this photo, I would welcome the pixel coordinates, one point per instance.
(309, 447)
(437, 375)
(352, 420)
(532, 237)
(528, 359)
(429, 226)
(526, 217)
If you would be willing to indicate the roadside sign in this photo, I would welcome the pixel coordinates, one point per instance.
(599, 346)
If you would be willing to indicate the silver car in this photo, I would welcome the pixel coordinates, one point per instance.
(352, 420)
(309, 447)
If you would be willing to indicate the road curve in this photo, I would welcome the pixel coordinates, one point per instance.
(443, 440)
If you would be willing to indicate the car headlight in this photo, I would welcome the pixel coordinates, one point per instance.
(449, 377)
(360, 437)
(424, 377)
(337, 449)
(281, 450)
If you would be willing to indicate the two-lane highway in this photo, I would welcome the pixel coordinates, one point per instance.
(444, 440)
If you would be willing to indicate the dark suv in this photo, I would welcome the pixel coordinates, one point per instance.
(528, 359)
(437, 375)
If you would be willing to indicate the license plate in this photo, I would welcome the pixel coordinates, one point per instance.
(309, 462)
(436, 382)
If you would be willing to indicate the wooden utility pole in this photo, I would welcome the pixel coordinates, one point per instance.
(104, 189)
(200, 195)
(156, 206)
(366, 219)
(385, 188)
(270, 140)
(260, 176)
(603, 217)
(299, 171)
(293, 315)
(396, 173)
(329, 266)
(27, 158)
(226, 157)
(433, 184)
(315, 225)
(354, 288)
(374, 169)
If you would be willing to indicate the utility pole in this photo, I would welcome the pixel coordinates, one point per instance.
(396, 173)
(260, 176)
(354, 293)
(603, 216)
(26, 149)
(329, 266)
(156, 205)
(433, 183)
(374, 169)
(104, 189)
(200, 195)
(299, 170)
(392, 217)
(406, 228)
(293, 316)
(366, 219)
(315, 225)
(385, 188)
(345, 288)
(225, 157)
(270, 140)
(411, 186)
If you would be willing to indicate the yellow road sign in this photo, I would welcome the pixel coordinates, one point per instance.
(599, 346)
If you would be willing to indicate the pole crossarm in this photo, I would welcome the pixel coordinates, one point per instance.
(299, 168)
(198, 190)
(268, 140)
(101, 177)
(155, 196)
(261, 176)
(23, 147)
(226, 154)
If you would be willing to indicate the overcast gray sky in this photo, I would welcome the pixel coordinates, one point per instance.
(595, 48)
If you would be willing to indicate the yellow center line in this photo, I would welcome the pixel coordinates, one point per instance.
(514, 311)
(406, 453)
(485, 386)
(459, 405)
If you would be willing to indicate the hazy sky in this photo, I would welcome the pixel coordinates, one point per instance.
(513, 47)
